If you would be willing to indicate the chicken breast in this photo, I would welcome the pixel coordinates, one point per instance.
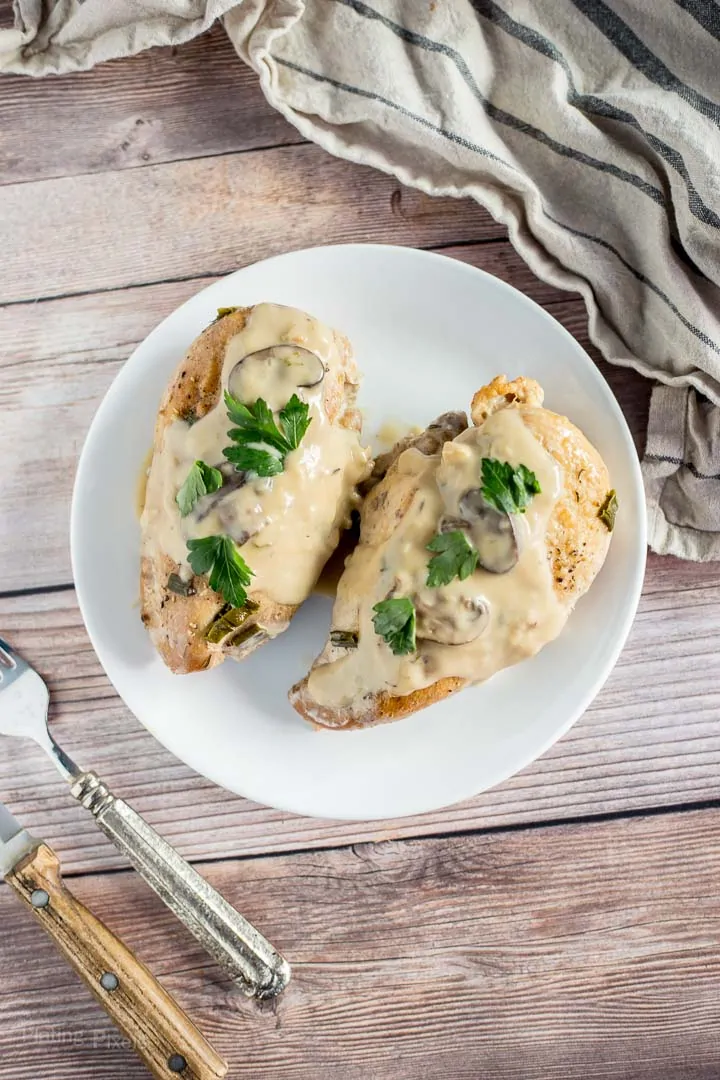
(206, 482)
(518, 512)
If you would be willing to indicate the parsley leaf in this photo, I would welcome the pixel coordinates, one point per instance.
(608, 510)
(295, 420)
(219, 558)
(507, 488)
(455, 557)
(254, 459)
(394, 620)
(260, 446)
(201, 480)
(255, 423)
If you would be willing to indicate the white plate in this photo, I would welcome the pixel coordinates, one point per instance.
(427, 331)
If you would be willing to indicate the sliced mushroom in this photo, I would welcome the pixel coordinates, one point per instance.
(453, 524)
(288, 367)
(232, 480)
(451, 620)
(492, 532)
(428, 442)
(442, 430)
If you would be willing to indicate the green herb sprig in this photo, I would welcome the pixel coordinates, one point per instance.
(228, 620)
(259, 445)
(608, 510)
(228, 573)
(201, 480)
(454, 557)
(394, 620)
(506, 487)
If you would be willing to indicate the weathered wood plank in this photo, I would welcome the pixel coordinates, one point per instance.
(207, 216)
(584, 952)
(650, 739)
(161, 105)
(61, 356)
(499, 258)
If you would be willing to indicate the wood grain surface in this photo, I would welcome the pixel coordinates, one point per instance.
(210, 215)
(145, 1014)
(161, 105)
(568, 953)
(650, 739)
(508, 938)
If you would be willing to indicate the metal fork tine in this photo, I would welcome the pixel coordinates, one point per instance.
(8, 659)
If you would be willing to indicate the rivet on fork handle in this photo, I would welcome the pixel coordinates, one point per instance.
(151, 1020)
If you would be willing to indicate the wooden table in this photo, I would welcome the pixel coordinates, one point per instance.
(565, 924)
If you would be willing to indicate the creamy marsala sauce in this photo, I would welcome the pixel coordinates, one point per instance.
(287, 525)
(468, 629)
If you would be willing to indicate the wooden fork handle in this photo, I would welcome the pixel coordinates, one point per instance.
(160, 1032)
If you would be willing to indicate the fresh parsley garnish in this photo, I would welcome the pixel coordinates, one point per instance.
(219, 558)
(259, 445)
(295, 421)
(394, 620)
(454, 557)
(201, 480)
(506, 487)
(253, 459)
(608, 510)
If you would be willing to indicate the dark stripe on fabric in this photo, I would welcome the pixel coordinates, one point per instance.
(445, 132)
(640, 56)
(704, 12)
(318, 77)
(500, 115)
(595, 106)
(699, 334)
(685, 465)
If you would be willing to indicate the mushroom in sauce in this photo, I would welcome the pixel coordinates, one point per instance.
(451, 620)
(232, 480)
(275, 373)
(492, 532)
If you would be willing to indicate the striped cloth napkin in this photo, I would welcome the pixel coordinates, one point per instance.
(589, 127)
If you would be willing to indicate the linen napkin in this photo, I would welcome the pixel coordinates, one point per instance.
(591, 128)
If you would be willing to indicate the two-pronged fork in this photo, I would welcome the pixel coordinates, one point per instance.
(229, 938)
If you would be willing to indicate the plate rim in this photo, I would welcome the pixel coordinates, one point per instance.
(416, 806)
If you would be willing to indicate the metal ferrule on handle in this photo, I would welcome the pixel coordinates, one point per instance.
(230, 939)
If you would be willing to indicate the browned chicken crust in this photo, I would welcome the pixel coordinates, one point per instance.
(577, 539)
(177, 624)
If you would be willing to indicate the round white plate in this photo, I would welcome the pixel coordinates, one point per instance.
(427, 332)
